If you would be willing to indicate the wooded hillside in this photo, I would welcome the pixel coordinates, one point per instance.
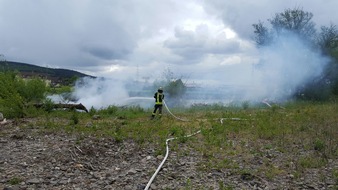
(59, 76)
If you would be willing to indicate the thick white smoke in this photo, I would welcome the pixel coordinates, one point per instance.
(282, 69)
(99, 92)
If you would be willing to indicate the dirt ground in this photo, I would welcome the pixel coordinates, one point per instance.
(31, 159)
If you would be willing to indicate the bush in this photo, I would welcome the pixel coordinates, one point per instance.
(15, 93)
(11, 102)
(32, 90)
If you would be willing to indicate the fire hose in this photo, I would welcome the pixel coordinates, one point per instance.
(167, 147)
(173, 138)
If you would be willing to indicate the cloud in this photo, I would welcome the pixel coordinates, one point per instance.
(241, 14)
(141, 36)
(193, 46)
(206, 42)
(106, 53)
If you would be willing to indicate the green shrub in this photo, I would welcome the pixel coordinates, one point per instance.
(74, 118)
(15, 181)
(245, 105)
(16, 92)
(11, 102)
(92, 111)
(319, 145)
(31, 90)
(311, 162)
(110, 110)
(335, 176)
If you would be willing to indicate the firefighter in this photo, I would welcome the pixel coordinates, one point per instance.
(159, 97)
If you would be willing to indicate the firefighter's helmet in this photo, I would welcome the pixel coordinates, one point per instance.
(160, 90)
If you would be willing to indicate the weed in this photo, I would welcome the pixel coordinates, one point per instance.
(246, 175)
(274, 108)
(305, 162)
(335, 176)
(74, 118)
(272, 172)
(245, 105)
(92, 111)
(225, 163)
(188, 185)
(15, 181)
(110, 110)
(224, 187)
(319, 145)
(48, 105)
(79, 139)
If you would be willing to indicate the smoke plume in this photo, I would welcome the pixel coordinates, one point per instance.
(285, 67)
(281, 70)
(100, 92)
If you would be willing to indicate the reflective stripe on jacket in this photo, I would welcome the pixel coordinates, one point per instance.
(158, 98)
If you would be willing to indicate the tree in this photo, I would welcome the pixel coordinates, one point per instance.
(173, 86)
(328, 40)
(295, 21)
(263, 36)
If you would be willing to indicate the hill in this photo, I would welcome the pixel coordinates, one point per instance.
(57, 76)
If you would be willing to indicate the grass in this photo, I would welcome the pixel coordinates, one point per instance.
(15, 181)
(306, 132)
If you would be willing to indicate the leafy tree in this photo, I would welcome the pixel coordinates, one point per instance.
(263, 36)
(175, 88)
(328, 40)
(295, 21)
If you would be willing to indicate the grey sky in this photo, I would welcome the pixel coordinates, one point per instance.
(120, 38)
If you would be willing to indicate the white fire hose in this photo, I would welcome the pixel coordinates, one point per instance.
(165, 158)
(173, 138)
(172, 113)
(167, 148)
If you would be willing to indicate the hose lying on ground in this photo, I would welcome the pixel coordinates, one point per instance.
(267, 103)
(173, 138)
(167, 148)
(170, 139)
(165, 158)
